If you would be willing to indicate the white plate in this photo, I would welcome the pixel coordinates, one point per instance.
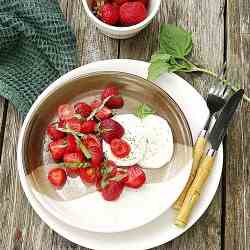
(161, 229)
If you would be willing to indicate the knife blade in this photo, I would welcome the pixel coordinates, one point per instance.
(220, 127)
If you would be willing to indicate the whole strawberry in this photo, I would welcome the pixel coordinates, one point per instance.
(112, 191)
(109, 14)
(132, 13)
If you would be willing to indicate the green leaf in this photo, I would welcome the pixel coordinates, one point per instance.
(143, 110)
(156, 69)
(175, 41)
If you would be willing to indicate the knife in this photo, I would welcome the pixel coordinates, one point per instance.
(214, 140)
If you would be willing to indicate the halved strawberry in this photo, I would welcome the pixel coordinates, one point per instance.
(65, 111)
(113, 190)
(83, 109)
(76, 157)
(71, 144)
(111, 129)
(57, 149)
(91, 140)
(57, 177)
(103, 114)
(115, 102)
(96, 156)
(95, 104)
(75, 124)
(120, 148)
(136, 177)
(88, 126)
(53, 133)
(88, 175)
(110, 90)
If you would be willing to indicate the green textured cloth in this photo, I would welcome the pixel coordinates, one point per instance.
(36, 48)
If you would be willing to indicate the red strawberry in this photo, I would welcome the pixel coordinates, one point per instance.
(74, 124)
(83, 109)
(104, 113)
(109, 13)
(115, 102)
(91, 141)
(112, 191)
(53, 133)
(120, 2)
(110, 90)
(120, 148)
(132, 13)
(136, 177)
(65, 111)
(62, 123)
(71, 144)
(57, 149)
(95, 104)
(57, 177)
(73, 158)
(88, 175)
(96, 156)
(111, 129)
(88, 126)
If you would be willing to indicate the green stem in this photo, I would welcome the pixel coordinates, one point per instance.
(208, 72)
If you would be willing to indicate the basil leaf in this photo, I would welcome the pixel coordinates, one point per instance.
(175, 41)
(143, 110)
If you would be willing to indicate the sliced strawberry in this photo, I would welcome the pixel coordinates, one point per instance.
(57, 177)
(95, 104)
(110, 90)
(53, 133)
(113, 190)
(74, 124)
(88, 126)
(65, 111)
(91, 140)
(96, 156)
(115, 102)
(88, 175)
(71, 144)
(76, 157)
(62, 123)
(83, 109)
(120, 148)
(111, 129)
(136, 177)
(103, 114)
(57, 149)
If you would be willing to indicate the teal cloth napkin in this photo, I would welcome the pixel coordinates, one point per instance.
(36, 48)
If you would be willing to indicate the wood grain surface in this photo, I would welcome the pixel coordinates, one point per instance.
(221, 33)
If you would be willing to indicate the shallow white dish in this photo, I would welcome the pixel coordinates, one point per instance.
(161, 229)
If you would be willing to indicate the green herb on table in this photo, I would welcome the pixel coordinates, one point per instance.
(175, 45)
(143, 110)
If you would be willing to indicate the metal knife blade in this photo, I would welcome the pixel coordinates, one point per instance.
(220, 127)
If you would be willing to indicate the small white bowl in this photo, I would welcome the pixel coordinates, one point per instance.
(122, 32)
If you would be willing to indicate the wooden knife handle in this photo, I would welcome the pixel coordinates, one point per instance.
(198, 151)
(194, 191)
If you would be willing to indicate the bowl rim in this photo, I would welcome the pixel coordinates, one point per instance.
(140, 25)
(57, 85)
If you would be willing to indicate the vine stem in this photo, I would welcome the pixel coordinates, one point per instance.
(211, 73)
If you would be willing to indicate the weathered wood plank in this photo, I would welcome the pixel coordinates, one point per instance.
(205, 19)
(237, 209)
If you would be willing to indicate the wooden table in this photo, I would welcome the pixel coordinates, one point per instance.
(221, 33)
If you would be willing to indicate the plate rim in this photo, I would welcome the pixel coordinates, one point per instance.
(49, 219)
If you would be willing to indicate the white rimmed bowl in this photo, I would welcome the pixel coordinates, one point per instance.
(122, 32)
